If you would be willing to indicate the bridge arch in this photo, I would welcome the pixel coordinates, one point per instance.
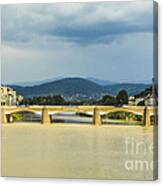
(122, 116)
(18, 114)
(18, 110)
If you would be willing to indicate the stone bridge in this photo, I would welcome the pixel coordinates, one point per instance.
(95, 111)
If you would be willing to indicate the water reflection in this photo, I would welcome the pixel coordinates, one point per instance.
(64, 117)
(71, 117)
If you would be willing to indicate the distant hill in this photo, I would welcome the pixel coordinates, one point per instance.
(67, 87)
(145, 92)
(77, 87)
(101, 81)
(132, 89)
(33, 83)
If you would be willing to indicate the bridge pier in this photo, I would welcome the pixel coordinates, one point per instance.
(45, 117)
(147, 118)
(156, 120)
(156, 117)
(9, 118)
(3, 116)
(96, 117)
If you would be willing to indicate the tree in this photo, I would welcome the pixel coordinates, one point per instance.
(122, 97)
(58, 100)
(45, 100)
(141, 103)
(108, 100)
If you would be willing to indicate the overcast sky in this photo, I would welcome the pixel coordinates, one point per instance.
(109, 40)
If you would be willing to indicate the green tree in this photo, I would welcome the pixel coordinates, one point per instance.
(108, 100)
(45, 100)
(58, 100)
(122, 98)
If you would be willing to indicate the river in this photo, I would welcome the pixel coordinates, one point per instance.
(73, 117)
(77, 151)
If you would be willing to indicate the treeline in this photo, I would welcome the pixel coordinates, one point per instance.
(119, 100)
(144, 93)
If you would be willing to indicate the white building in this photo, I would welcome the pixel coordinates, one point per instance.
(8, 96)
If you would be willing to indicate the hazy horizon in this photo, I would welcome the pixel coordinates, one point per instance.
(93, 79)
(110, 41)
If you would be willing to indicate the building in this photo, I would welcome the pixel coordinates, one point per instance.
(139, 101)
(9, 96)
(131, 100)
(150, 100)
(19, 99)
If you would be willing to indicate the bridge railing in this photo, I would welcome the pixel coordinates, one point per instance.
(45, 111)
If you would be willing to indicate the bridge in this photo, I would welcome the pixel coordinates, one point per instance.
(95, 111)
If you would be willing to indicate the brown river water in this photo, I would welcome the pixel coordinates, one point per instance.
(77, 151)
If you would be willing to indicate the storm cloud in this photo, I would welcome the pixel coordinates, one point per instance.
(81, 23)
(105, 40)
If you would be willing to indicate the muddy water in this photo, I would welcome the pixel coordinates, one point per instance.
(77, 151)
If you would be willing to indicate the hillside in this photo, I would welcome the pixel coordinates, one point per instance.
(66, 87)
(132, 89)
(77, 87)
(145, 92)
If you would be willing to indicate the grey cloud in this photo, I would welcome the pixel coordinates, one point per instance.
(85, 24)
(100, 32)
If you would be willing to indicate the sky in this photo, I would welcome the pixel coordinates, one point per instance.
(107, 40)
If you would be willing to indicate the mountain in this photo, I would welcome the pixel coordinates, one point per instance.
(131, 88)
(95, 80)
(77, 87)
(101, 82)
(67, 87)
